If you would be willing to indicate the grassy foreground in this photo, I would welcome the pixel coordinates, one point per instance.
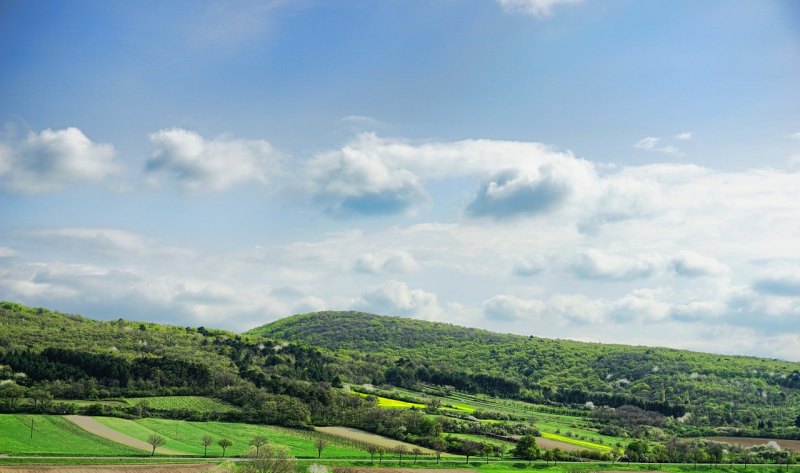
(54, 435)
(186, 436)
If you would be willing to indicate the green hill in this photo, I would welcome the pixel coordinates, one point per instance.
(717, 389)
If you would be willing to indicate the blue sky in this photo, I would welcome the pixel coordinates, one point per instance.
(622, 171)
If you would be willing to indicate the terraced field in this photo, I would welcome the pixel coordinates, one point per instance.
(367, 437)
(54, 435)
(189, 403)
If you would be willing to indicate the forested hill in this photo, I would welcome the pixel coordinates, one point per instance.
(716, 387)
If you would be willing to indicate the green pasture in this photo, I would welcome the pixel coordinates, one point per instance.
(186, 436)
(54, 435)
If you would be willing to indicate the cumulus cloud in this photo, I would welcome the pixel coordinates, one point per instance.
(396, 298)
(385, 262)
(779, 285)
(537, 8)
(52, 159)
(594, 264)
(511, 193)
(374, 176)
(685, 136)
(691, 264)
(504, 307)
(197, 164)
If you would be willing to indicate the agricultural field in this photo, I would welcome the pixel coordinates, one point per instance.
(388, 403)
(187, 436)
(791, 445)
(189, 403)
(367, 437)
(54, 435)
(569, 431)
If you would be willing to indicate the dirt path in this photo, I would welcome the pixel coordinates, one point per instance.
(92, 426)
(200, 468)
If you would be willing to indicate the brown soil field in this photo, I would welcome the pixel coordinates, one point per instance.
(361, 436)
(792, 445)
(548, 444)
(160, 468)
(92, 426)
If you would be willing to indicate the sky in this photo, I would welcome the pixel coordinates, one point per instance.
(622, 171)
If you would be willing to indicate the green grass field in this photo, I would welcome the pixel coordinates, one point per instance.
(191, 403)
(54, 435)
(387, 403)
(188, 437)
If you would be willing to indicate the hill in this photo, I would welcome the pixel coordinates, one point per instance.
(718, 390)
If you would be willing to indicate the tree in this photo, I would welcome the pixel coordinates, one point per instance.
(439, 445)
(547, 455)
(258, 441)
(141, 408)
(320, 443)
(372, 449)
(207, 440)
(401, 450)
(381, 452)
(10, 393)
(224, 443)
(526, 448)
(471, 448)
(41, 398)
(660, 454)
(715, 452)
(636, 451)
(502, 449)
(432, 406)
(488, 449)
(416, 452)
(270, 459)
(155, 441)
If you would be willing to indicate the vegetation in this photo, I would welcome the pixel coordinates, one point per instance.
(450, 389)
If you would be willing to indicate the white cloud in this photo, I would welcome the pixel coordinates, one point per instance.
(537, 8)
(594, 264)
(795, 136)
(395, 298)
(386, 262)
(197, 164)
(504, 307)
(691, 264)
(685, 136)
(650, 143)
(52, 159)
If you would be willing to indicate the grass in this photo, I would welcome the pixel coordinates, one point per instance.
(187, 437)
(190, 403)
(54, 435)
(387, 403)
(574, 441)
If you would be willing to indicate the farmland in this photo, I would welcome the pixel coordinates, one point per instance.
(187, 436)
(54, 435)
(366, 437)
(189, 403)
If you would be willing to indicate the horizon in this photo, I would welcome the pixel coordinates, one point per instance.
(601, 171)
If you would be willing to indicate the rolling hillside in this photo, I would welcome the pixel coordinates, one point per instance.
(716, 389)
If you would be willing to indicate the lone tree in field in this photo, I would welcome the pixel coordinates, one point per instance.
(526, 448)
(155, 441)
(381, 451)
(416, 452)
(439, 446)
(488, 449)
(471, 448)
(401, 450)
(372, 449)
(320, 443)
(224, 443)
(207, 440)
(258, 441)
(502, 449)
(270, 460)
